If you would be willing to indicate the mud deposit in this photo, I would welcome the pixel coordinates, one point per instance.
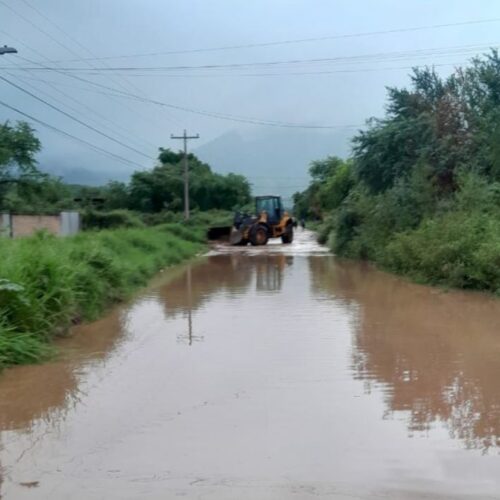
(268, 373)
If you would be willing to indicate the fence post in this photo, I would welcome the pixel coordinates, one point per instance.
(69, 223)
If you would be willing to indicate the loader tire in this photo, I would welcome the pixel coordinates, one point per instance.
(287, 236)
(258, 235)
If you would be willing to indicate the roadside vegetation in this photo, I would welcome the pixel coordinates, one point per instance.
(131, 231)
(24, 188)
(49, 283)
(421, 194)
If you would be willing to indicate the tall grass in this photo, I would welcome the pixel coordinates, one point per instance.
(46, 283)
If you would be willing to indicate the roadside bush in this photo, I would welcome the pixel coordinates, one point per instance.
(458, 249)
(324, 230)
(211, 218)
(46, 282)
(164, 217)
(192, 233)
(21, 348)
(95, 219)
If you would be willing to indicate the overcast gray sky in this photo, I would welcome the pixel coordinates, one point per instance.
(314, 93)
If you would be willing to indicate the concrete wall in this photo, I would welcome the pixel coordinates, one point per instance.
(17, 226)
(26, 225)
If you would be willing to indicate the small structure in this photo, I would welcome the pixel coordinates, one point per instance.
(17, 225)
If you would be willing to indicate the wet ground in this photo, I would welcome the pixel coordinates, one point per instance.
(268, 373)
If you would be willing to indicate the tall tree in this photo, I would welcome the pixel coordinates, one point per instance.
(18, 147)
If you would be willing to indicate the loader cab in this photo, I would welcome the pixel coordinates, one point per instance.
(272, 205)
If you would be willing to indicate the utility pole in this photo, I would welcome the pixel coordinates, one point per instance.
(185, 138)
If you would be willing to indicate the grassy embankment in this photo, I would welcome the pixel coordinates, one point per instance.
(48, 283)
(420, 195)
(456, 245)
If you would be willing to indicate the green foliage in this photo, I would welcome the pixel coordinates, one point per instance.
(18, 146)
(116, 195)
(162, 188)
(448, 124)
(212, 218)
(21, 348)
(95, 219)
(46, 282)
(332, 179)
(163, 217)
(459, 249)
(41, 195)
(24, 189)
(421, 195)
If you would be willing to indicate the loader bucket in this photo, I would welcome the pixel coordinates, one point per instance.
(219, 233)
(236, 237)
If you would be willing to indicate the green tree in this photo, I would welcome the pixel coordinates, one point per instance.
(18, 147)
(116, 195)
(162, 188)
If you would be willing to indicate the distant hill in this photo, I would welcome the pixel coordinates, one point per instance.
(276, 162)
(72, 172)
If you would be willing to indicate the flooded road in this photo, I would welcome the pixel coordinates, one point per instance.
(268, 373)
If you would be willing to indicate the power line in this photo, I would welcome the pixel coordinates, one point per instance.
(94, 113)
(292, 41)
(35, 51)
(294, 73)
(51, 37)
(116, 92)
(284, 74)
(352, 59)
(74, 40)
(71, 136)
(90, 127)
(115, 78)
(221, 116)
(31, 23)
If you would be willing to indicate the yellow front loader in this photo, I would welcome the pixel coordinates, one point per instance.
(270, 221)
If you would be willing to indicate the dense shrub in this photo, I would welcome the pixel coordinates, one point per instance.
(421, 195)
(95, 219)
(46, 282)
(459, 249)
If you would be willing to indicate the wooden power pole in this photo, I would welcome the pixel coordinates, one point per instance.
(185, 138)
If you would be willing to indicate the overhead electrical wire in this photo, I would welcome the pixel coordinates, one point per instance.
(294, 73)
(65, 47)
(287, 74)
(74, 118)
(52, 84)
(221, 116)
(29, 84)
(352, 59)
(71, 136)
(70, 72)
(291, 41)
(93, 112)
(41, 30)
(116, 78)
(34, 50)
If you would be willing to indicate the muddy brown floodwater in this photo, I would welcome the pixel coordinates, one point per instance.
(267, 373)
